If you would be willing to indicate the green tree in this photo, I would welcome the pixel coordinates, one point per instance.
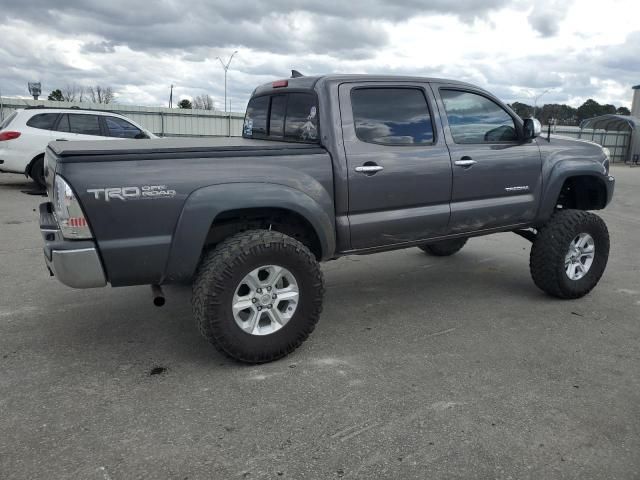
(589, 109)
(522, 109)
(623, 111)
(56, 96)
(185, 103)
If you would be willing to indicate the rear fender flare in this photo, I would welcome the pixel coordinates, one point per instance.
(204, 205)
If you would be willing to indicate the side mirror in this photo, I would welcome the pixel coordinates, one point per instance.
(532, 128)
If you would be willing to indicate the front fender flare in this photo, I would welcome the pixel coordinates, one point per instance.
(564, 170)
(203, 206)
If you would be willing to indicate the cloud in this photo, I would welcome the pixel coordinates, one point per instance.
(547, 15)
(99, 47)
(505, 46)
(284, 26)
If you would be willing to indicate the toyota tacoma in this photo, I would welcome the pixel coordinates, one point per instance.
(327, 166)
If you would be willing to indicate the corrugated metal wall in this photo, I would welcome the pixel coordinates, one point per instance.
(169, 122)
(616, 142)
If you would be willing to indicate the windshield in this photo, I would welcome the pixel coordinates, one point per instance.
(5, 123)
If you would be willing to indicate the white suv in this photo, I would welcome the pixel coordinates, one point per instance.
(25, 134)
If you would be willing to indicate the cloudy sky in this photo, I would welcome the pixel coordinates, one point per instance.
(517, 49)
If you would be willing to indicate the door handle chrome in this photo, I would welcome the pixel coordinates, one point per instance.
(465, 163)
(369, 169)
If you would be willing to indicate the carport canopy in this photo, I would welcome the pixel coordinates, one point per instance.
(618, 123)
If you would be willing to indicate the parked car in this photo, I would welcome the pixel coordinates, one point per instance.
(328, 166)
(24, 134)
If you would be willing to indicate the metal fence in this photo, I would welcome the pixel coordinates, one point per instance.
(617, 142)
(165, 122)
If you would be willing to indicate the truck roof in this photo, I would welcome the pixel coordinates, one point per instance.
(308, 83)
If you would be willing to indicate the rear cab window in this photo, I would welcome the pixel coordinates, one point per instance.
(289, 116)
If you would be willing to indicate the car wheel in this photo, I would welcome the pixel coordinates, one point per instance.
(569, 254)
(257, 296)
(444, 248)
(37, 172)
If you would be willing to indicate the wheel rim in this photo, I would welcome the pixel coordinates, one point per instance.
(579, 258)
(265, 300)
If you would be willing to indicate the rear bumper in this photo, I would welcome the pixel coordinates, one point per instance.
(12, 162)
(74, 263)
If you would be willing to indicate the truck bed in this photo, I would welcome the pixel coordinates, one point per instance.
(200, 179)
(104, 150)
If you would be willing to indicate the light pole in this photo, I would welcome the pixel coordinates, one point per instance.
(535, 101)
(226, 67)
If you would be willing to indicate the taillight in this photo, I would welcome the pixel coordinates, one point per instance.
(67, 210)
(279, 83)
(9, 136)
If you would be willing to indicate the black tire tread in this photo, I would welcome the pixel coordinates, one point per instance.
(212, 277)
(551, 242)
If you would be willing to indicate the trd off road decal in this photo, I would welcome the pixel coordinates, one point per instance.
(132, 193)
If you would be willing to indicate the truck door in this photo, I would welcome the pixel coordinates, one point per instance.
(399, 169)
(497, 176)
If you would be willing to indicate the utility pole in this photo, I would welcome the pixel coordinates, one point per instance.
(171, 97)
(535, 102)
(226, 68)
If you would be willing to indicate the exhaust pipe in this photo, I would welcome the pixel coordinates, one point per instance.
(158, 295)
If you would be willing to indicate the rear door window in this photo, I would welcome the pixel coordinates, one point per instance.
(392, 116)
(44, 121)
(84, 124)
(120, 128)
(63, 124)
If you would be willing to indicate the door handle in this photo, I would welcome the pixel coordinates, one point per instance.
(465, 162)
(369, 169)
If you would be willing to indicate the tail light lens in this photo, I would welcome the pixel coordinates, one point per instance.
(4, 136)
(71, 219)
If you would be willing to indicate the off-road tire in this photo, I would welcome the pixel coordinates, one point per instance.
(444, 248)
(218, 275)
(551, 245)
(36, 172)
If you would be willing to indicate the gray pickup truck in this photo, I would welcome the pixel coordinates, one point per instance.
(327, 166)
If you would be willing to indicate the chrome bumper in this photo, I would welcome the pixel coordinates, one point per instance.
(74, 263)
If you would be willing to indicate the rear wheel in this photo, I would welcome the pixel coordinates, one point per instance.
(569, 254)
(37, 171)
(258, 295)
(444, 248)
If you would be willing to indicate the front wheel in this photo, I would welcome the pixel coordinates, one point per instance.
(569, 254)
(258, 295)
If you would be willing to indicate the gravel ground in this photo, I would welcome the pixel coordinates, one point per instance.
(420, 367)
